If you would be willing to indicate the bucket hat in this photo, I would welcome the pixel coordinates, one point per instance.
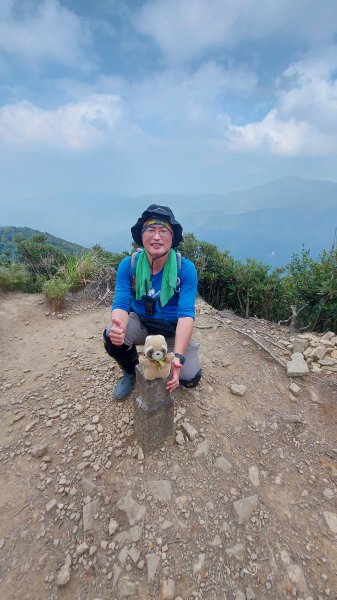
(163, 213)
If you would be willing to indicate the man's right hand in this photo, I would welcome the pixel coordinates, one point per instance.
(117, 332)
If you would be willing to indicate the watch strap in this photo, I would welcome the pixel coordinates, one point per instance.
(181, 357)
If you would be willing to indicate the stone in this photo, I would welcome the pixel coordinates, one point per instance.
(297, 366)
(88, 515)
(128, 589)
(51, 505)
(202, 449)
(223, 464)
(167, 589)
(152, 562)
(153, 412)
(189, 430)
(134, 554)
(134, 511)
(331, 521)
(89, 487)
(318, 353)
(296, 576)
(253, 475)
(237, 552)
(300, 344)
(199, 565)
(116, 571)
(245, 507)
(294, 388)
(63, 575)
(38, 451)
(160, 490)
(82, 549)
(237, 389)
(113, 526)
(180, 438)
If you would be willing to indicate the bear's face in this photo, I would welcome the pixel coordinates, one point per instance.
(155, 347)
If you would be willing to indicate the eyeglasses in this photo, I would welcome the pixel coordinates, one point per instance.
(161, 231)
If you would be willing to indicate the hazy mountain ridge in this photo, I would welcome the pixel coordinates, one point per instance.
(268, 222)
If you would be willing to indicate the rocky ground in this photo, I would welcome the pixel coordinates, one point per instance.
(241, 506)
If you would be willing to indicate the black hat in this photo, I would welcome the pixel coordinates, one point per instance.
(165, 214)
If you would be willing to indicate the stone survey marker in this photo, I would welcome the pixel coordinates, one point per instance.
(153, 412)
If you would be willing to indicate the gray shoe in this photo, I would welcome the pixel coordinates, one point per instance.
(124, 387)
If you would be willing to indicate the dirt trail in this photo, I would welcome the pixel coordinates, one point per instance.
(247, 509)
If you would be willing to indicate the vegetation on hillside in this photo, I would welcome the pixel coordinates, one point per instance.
(8, 246)
(303, 293)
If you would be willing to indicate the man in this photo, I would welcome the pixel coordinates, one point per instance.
(155, 295)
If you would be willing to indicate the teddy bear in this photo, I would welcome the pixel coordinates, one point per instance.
(157, 361)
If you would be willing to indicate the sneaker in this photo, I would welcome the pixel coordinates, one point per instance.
(124, 387)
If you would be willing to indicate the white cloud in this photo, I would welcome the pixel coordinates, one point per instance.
(44, 31)
(304, 121)
(78, 126)
(185, 28)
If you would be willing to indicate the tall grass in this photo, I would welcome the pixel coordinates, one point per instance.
(55, 291)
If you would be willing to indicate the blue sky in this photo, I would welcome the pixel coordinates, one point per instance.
(140, 97)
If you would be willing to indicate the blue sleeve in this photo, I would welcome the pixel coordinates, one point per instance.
(123, 296)
(188, 289)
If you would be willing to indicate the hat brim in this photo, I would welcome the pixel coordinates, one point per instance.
(164, 213)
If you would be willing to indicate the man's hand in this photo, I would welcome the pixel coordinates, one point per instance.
(117, 332)
(173, 383)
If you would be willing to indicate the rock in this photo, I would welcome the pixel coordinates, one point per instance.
(116, 570)
(113, 526)
(88, 515)
(291, 418)
(253, 475)
(167, 589)
(51, 505)
(237, 389)
(134, 554)
(202, 449)
(30, 426)
(89, 487)
(160, 490)
(63, 575)
(82, 549)
(2, 543)
(135, 533)
(180, 438)
(300, 344)
(237, 552)
(328, 493)
(297, 367)
(318, 353)
(128, 589)
(296, 576)
(331, 521)
(245, 507)
(294, 388)
(38, 451)
(250, 594)
(198, 565)
(152, 562)
(134, 511)
(223, 464)
(189, 430)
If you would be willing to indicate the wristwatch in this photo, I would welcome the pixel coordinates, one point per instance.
(181, 357)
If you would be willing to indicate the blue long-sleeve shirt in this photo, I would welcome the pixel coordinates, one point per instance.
(181, 304)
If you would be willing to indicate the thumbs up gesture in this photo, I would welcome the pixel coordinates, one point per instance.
(117, 332)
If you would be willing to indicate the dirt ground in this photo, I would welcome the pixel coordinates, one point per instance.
(245, 509)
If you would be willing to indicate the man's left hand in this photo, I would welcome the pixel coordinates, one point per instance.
(173, 383)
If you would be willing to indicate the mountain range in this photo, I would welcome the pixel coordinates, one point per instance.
(269, 222)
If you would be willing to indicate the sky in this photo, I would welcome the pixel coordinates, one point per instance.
(141, 97)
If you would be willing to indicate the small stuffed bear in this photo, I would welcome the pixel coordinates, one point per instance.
(156, 362)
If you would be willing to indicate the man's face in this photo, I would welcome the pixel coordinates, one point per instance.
(157, 240)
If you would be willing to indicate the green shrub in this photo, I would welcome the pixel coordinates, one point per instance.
(55, 291)
(13, 276)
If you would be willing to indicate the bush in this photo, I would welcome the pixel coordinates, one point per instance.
(55, 291)
(13, 276)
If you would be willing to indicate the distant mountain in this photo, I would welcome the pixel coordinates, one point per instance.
(269, 222)
(8, 234)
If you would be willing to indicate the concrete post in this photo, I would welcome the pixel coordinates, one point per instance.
(153, 412)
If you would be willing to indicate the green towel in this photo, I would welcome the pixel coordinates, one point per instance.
(169, 280)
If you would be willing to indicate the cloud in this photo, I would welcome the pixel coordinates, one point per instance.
(183, 29)
(304, 121)
(77, 126)
(40, 32)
